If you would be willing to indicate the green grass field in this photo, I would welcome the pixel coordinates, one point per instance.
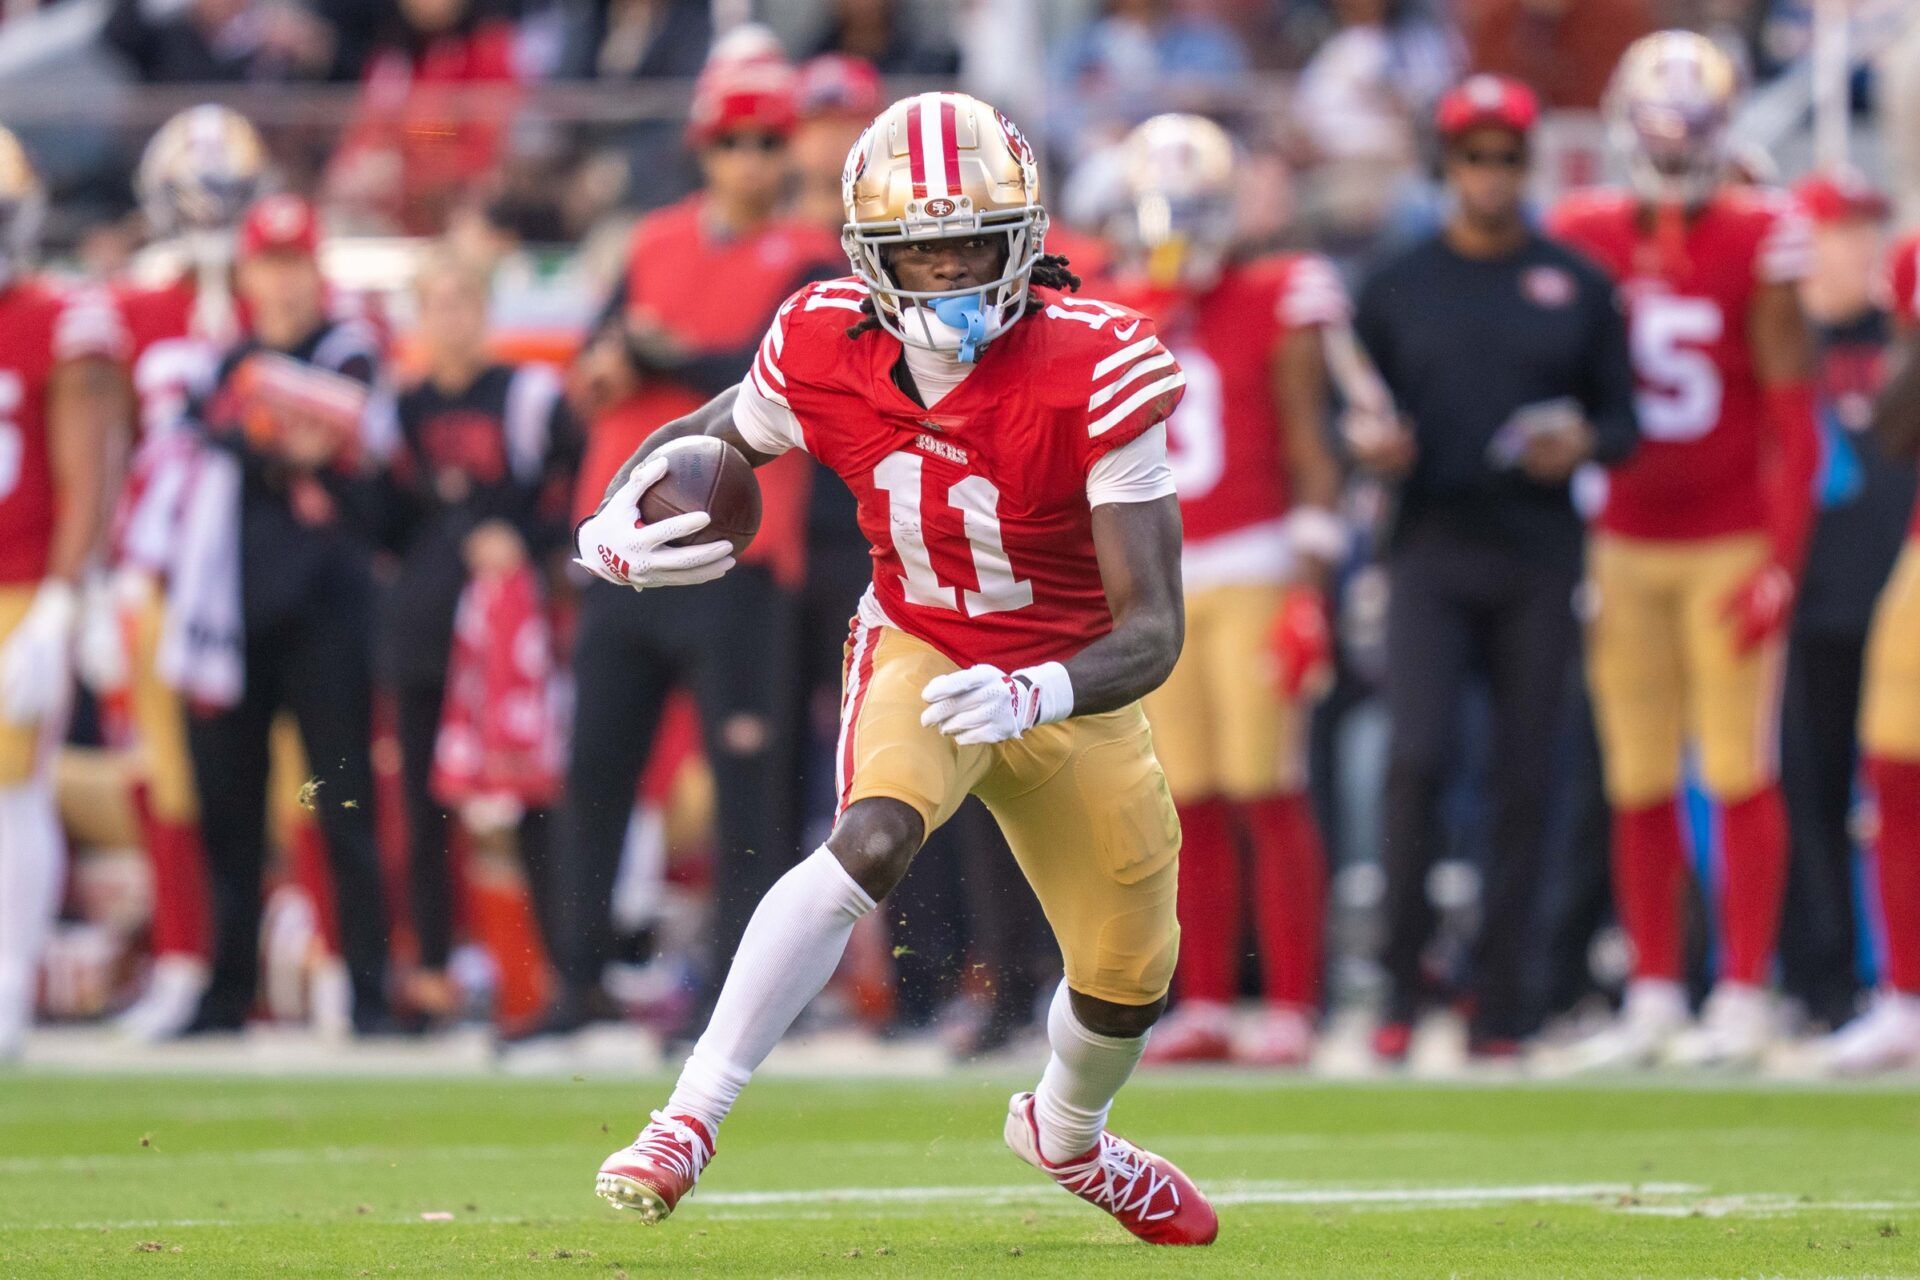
(148, 1176)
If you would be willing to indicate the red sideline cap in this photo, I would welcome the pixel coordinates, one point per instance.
(754, 93)
(1487, 101)
(839, 84)
(280, 223)
(1841, 194)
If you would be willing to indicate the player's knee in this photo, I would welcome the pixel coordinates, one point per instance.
(1122, 1021)
(875, 841)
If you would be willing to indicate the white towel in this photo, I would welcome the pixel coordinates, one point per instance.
(202, 644)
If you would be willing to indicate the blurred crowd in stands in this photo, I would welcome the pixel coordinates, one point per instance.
(460, 781)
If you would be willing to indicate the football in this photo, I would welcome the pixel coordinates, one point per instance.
(707, 474)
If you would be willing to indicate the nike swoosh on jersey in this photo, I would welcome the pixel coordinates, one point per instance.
(1124, 334)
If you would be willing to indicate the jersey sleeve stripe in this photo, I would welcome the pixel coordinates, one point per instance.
(768, 358)
(1123, 355)
(1171, 382)
(89, 326)
(1161, 360)
(766, 389)
(821, 300)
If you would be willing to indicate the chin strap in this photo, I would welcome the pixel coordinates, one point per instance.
(964, 313)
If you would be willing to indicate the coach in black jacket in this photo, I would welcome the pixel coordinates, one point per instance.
(1506, 357)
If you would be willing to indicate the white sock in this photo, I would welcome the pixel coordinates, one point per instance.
(791, 947)
(31, 866)
(1076, 1090)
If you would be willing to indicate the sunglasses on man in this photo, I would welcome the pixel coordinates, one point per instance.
(1496, 158)
(765, 143)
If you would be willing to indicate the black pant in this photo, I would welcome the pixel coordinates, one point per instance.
(1460, 607)
(1820, 705)
(730, 643)
(430, 887)
(318, 665)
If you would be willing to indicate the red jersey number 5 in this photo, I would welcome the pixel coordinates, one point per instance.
(978, 502)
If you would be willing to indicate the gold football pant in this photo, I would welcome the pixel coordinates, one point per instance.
(1083, 805)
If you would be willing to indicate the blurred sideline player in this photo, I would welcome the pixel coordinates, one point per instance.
(1007, 447)
(1257, 489)
(61, 399)
(1699, 547)
(1888, 1036)
(195, 180)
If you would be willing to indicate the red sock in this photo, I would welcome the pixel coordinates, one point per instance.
(312, 872)
(1896, 786)
(1649, 869)
(1209, 904)
(180, 908)
(1753, 838)
(1289, 896)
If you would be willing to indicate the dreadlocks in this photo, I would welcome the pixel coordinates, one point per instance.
(1049, 272)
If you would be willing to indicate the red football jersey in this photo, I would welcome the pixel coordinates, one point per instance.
(1226, 442)
(170, 363)
(1903, 274)
(1698, 470)
(977, 508)
(708, 293)
(39, 330)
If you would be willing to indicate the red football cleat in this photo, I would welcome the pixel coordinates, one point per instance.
(1144, 1192)
(659, 1169)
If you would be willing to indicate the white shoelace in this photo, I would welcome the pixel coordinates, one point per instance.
(675, 1146)
(1121, 1180)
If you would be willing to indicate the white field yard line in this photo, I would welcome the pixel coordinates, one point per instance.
(831, 1203)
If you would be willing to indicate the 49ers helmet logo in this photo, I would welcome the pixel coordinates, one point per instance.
(1016, 141)
(940, 207)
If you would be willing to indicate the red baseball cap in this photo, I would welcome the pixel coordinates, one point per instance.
(738, 93)
(280, 223)
(1486, 101)
(839, 84)
(1840, 194)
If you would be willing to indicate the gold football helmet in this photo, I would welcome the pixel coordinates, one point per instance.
(1668, 111)
(1179, 175)
(931, 167)
(200, 172)
(23, 203)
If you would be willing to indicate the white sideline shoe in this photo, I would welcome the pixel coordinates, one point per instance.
(171, 999)
(1736, 1029)
(1885, 1038)
(1652, 1015)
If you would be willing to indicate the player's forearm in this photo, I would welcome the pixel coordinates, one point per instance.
(1129, 662)
(87, 408)
(714, 418)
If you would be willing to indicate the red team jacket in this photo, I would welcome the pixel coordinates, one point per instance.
(1226, 442)
(39, 330)
(1904, 275)
(977, 508)
(1698, 472)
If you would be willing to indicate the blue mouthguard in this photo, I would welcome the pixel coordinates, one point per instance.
(964, 313)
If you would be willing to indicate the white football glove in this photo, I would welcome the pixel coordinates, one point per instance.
(613, 543)
(101, 650)
(36, 661)
(983, 704)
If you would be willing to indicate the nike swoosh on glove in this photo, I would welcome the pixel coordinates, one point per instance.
(981, 705)
(36, 664)
(615, 545)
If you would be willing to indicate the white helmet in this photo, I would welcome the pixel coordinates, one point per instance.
(23, 207)
(1179, 173)
(200, 172)
(1668, 111)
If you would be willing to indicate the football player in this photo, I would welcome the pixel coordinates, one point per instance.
(1888, 1036)
(195, 181)
(60, 402)
(1257, 490)
(1006, 445)
(1699, 545)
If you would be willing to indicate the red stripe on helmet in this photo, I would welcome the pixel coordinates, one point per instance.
(950, 144)
(916, 158)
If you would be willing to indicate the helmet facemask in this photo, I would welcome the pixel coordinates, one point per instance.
(1675, 154)
(21, 217)
(914, 316)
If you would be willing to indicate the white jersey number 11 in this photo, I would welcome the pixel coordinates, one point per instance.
(978, 502)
